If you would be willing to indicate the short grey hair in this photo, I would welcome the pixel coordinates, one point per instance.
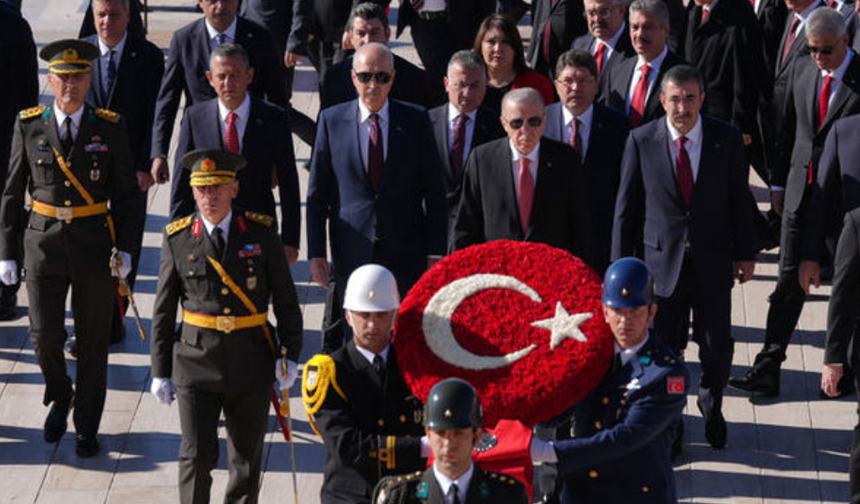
(468, 61)
(656, 7)
(824, 22)
(229, 51)
(523, 95)
(124, 3)
(370, 46)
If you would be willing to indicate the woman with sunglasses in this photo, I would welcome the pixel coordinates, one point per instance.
(499, 42)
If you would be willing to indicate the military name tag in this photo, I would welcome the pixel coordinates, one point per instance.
(95, 174)
(251, 283)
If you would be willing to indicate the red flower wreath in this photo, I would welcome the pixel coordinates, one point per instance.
(522, 322)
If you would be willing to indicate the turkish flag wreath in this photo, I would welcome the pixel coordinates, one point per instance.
(522, 322)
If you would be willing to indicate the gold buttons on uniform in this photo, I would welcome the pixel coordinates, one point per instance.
(250, 269)
(645, 489)
(402, 418)
(380, 422)
(605, 400)
(598, 425)
(68, 203)
(191, 273)
(592, 474)
(225, 291)
(67, 183)
(226, 311)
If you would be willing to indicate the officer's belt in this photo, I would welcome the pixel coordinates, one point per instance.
(69, 213)
(223, 323)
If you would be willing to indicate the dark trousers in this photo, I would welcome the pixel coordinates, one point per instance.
(323, 55)
(246, 419)
(434, 43)
(301, 125)
(711, 309)
(92, 309)
(854, 461)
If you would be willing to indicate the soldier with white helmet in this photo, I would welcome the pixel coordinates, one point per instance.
(356, 399)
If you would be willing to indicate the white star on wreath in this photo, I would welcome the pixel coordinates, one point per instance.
(563, 325)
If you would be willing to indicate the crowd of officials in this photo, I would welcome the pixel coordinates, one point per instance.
(620, 130)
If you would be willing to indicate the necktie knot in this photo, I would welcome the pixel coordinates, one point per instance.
(682, 140)
(374, 118)
(646, 69)
(220, 39)
(454, 494)
(379, 364)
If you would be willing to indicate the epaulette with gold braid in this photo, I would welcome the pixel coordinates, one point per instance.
(320, 372)
(31, 112)
(178, 225)
(259, 218)
(108, 115)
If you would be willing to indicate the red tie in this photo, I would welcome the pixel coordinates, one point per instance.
(375, 154)
(705, 13)
(599, 54)
(526, 185)
(547, 35)
(232, 133)
(789, 40)
(637, 104)
(417, 4)
(832, 4)
(823, 100)
(685, 172)
(753, 4)
(458, 146)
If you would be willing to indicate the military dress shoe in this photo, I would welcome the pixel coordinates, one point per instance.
(716, 430)
(763, 382)
(86, 446)
(56, 423)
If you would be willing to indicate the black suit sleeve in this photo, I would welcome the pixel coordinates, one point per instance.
(842, 311)
(742, 218)
(580, 218)
(288, 185)
(181, 196)
(747, 70)
(13, 197)
(435, 203)
(167, 104)
(469, 222)
(124, 204)
(786, 127)
(822, 203)
(153, 77)
(629, 205)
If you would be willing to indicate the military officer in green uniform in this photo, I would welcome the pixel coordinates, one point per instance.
(452, 423)
(223, 266)
(75, 163)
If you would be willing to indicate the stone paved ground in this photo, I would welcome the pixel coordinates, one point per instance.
(790, 450)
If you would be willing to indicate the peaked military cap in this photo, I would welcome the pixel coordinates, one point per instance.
(212, 166)
(69, 56)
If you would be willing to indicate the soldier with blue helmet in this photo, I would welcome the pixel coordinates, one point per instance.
(626, 426)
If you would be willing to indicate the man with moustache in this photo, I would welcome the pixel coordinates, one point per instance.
(632, 87)
(608, 39)
(462, 124)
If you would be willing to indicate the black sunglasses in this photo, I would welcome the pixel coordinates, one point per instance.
(516, 124)
(824, 51)
(381, 77)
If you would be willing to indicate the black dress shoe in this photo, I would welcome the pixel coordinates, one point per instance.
(763, 382)
(86, 446)
(56, 423)
(716, 430)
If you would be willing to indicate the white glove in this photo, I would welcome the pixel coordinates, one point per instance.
(162, 389)
(121, 261)
(9, 271)
(286, 381)
(542, 451)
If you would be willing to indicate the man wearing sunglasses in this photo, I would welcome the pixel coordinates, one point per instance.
(524, 187)
(376, 180)
(825, 87)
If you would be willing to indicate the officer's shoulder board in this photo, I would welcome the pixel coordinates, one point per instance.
(108, 115)
(31, 112)
(178, 225)
(259, 218)
(391, 487)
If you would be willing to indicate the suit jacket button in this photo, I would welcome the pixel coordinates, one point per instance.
(605, 400)
(226, 311)
(68, 203)
(598, 425)
(380, 422)
(592, 474)
(402, 418)
(67, 183)
(645, 489)
(225, 291)
(191, 273)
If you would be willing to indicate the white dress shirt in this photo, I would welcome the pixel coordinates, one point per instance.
(693, 146)
(837, 75)
(609, 44)
(453, 114)
(655, 65)
(584, 126)
(627, 354)
(462, 483)
(364, 125)
(533, 156)
(61, 118)
(432, 6)
(243, 111)
(213, 33)
(224, 225)
(367, 354)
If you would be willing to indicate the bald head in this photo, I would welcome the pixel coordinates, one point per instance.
(373, 52)
(372, 74)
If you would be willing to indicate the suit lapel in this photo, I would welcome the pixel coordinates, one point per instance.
(213, 134)
(473, 494)
(504, 162)
(440, 131)
(670, 174)
(848, 88)
(362, 366)
(396, 137)
(594, 147)
(254, 129)
(127, 59)
(203, 39)
(434, 491)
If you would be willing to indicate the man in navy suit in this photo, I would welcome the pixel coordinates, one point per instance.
(376, 181)
(633, 86)
(246, 125)
(524, 187)
(683, 205)
(608, 39)
(624, 427)
(598, 134)
(126, 79)
(188, 61)
(462, 124)
(825, 87)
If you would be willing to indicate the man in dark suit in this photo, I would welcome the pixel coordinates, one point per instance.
(369, 23)
(223, 267)
(257, 130)
(357, 401)
(188, 61)
(19, 90)
(524, 187)
(608, 39)
(825, 87)
(376, 181)
(328, 19)
(683, 205)
(462, 124)
(555, 25)
(89, 25)
(126, 79)
(633, 85)
(598, 134)
(842, 333)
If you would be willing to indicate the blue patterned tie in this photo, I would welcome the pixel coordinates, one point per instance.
(111, 74)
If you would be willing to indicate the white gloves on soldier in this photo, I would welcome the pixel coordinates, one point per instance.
(124, 265)
(9, 271)
(162, 389)
(286, 381)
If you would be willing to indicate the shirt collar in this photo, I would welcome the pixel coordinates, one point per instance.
(614, 40)
(370, 355)
(584, 118)
(230, 31)
(224, 224)
(243, 110)
(104, 49)
(710, 6)
(655, 63)
(61, 116)
(364, 112)
(694, 136)
(462, 481)
(629, 353)
(453, 112)
(840, 70)
(532, 156)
